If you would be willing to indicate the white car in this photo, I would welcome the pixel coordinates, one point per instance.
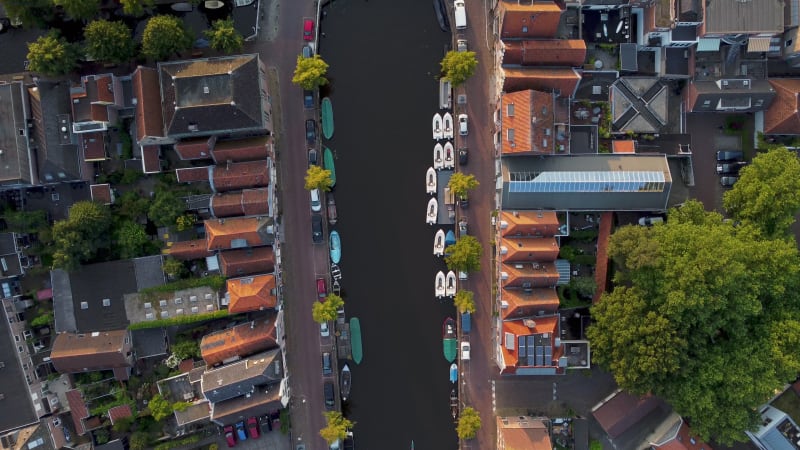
(462, 124)
(316, 203)
(461, 45)
(323, 329)
(465, 351)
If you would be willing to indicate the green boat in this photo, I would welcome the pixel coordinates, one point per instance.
(355, 339)
(449, 339)
(328, 159)
(327, 118)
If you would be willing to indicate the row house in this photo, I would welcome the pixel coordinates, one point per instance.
(240, 341)
(532, 122)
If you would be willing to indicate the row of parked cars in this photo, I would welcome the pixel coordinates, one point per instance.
(240, 432)
(729, 163)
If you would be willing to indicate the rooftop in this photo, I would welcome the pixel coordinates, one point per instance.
(525, 21)
(528, 223)
(57, 153)
(238, 150)
(239, 232)
(545, 52)
(622, 411)
(246, 261)
(242, 377)
(239, 341)
(522, 432)
(144, 307)
(528, 120)
(252, 293)
(531, 302)
(17, 164)
(249, 202)
(242, 175)
(639, 104)
(99, 350)
(12, 379)
(750, 17)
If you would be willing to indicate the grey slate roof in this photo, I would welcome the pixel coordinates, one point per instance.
(12, 379)
(241, 378)
(16, 161)
(148, 272)
(149, 342)
(57, 153)
(677, 60)
(10, 265)
(748, 17)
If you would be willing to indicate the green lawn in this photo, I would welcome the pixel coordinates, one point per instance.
(789, 402)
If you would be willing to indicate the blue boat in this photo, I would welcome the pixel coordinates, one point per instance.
(453, 373)
(336, 247)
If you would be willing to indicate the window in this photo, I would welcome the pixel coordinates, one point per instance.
(510, 110)
(16, 338)
(106, 302)
(524, 29)
(788, 42)
(84, 305)
(707, 103)
(510, 134)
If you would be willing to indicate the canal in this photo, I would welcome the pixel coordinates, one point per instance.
(384, 58)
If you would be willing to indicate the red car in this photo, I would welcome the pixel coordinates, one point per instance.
(322, 289)
(308, 30)
(229, 435)
(252, 427)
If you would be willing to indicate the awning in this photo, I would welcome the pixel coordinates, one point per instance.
(708, 45)
(758, 44)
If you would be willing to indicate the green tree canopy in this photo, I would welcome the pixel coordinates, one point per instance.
(131, 205)
(135, 7)
(318, 178)
(32, 13)
(25, 221)
(326, 311)
(469, 422)
(223, 36)
(109, 41)
(166, 208)
(173, 268)
(767, 193)
(159, 407)
(164, 36)
(457, 67)
(139, 440)
(464, 255)
(465, 301)
(336, 427)
(78, 238)
(79, 9)
(186, 349)
(52, 55)
(695, 298)
(131, 240)
(310, 72)
(460, 184)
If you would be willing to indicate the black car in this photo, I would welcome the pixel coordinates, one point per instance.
(463, 156)
(316, 228)
(312, 157)
(463, 202)
(311, 132)
(329, 400)
(308, 99)
(729, 168)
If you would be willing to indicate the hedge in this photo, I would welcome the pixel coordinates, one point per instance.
(179, 443)
(216, 282)
(179, 320)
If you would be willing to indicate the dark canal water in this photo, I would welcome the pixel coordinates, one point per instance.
(384, 57)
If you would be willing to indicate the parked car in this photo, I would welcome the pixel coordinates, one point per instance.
(326, 364)
(240, 433)
(308, 99)
(324, 331)
(465, 351)
(466, 322)
(252, 427)
(463, 156)
(730, 168)
(312, 157)
(648, 221)
(462, 125)
(311, 132)
(463, 201)
(329, 398)
(308, 30)
(461, 45)
(729, 155)
(316, 228)
(307, 52)
(229, 435)
(316, 203)
(462, 228)
(322, 289)
(728, 181)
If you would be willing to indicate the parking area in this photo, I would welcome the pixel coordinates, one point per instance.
(708, 136)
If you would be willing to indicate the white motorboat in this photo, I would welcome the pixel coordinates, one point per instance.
(438, 243)
(438, 156)
(447, 124)
(439, 287)
(450, 285)
(449, 162)
(438, 132)
(430, 181)
(433, 207)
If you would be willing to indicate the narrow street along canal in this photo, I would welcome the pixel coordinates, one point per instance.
(384, 59)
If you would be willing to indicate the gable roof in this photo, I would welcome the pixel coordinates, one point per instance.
(528, 122)
(252, 293)
(679, 437)
(82, 352)
(533, 302)
(78, 410)
(242, 377)
(192, 174)
(537, 348)
(239, 232)
(536, 20)
(151, 159)
(212, 96)
(119, 412)
(234, 176)
(545, 52)
(236, 150)
(93, 146)
(19, 167)
(750, 17)
(534, 275)
(783, 115)
(623, 410)
(548, 79)
(149, 120)
(198, 148)
(521, 432)
(237, 342)
(528, 223)
(187, 250)
(246, 261)
(528, 249)
(249, 202)
(729, 95)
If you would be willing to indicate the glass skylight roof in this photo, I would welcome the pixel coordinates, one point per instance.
(597, 181)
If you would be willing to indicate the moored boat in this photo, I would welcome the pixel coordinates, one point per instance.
(336, 272)
(327, 118)
(346, 379)
(438, 156)
(438, 132)
(454, 403)
(337, 287)
(433, 207)
(439, 284)
(355, 336)
(449, 339)
(336, 247)
(430, 181)
(449, 239)
(328, 160)
(450, 285)
(332, 215)
(447, 124)
(449, 161)
(453, 373)
(438, 243)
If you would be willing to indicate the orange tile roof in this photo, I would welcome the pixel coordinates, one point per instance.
(119, 412)
(528, 223)
(238, 232)
(783, 115)
(190, 149)
(684, 439)
(246, 261)
(545, 52)
(537, 20)
(250, 202)
(515, 434)
(78, 410)
(151, 162)
(252, 293)
(516, 328)
(528, 249)
(601, 267)
(191, 174)
(188, 250)
(105, 88)
(528, 122)
(149, 118)
(626, 146)
(538, 274)
(234, 176)
(99, 112)
(94, 147)
(101, 193)
(527, 304)
(249, 149)
(547, 79)
(239, 341)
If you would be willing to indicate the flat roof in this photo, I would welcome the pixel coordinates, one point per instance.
(12, 379)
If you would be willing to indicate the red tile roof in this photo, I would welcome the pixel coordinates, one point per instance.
(528, 223)
(527, 304)
(101, 193)
(99, 112)
(627, 146)
(193, 174)
(528, 249)
(250, 202)
(601, 268)
(252, 293)
(538, 274)
(246, 261)
(87, 352)
(234, 176)
(545, 52)
(119, 412)
(537, 20)
(188, 250)
(547, 79)
(250, 149)
(684, 439)
(238, 232)
(514, 433)
(78, 410)
(512, 329)
(94, 146)
(149, 118)
(239, 341)
(151, 162)
(783, 115)
(528, 122)
(622, 411)
(105, 88)
(191, 149)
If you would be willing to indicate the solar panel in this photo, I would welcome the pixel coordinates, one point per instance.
(522, 350)
(587, 181)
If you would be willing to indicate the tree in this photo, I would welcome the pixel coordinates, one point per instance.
(52, 55)
(159, 407)
(132, 205)
(79, 9)
(131, 239)
(109, 41)
(457, 67)
(469, 422)
(164, 36)
(139, 440)
(32, 13)
(101, 436)
(767, 193)
(173, 268)
(465, 301)
(185, 221)
(166, 208)
(135, 7)
(123, 424)
(327, 310)
(224, 37)
(336, 428)
(460, 184)
(464, 255)
(78, 238)
(310, 72)
(25, 221)
(186, 349)
(693, 299)
(318, 178)
(583, 286)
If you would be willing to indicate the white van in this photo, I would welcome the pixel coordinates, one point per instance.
(461, 15)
